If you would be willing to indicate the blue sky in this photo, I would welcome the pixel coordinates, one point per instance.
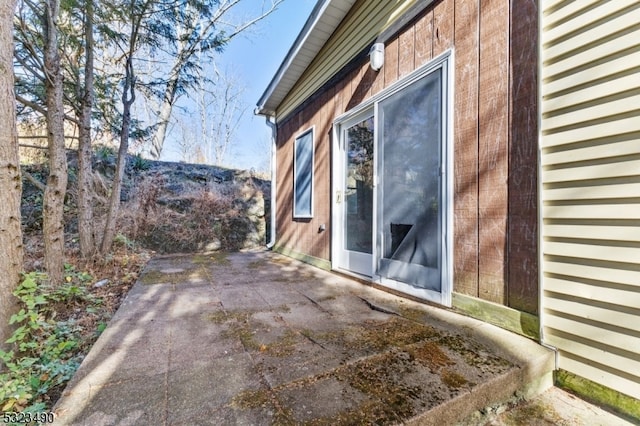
(254, 58)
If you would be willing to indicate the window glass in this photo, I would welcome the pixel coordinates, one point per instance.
(303, 176)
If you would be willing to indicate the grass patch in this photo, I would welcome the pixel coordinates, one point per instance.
(523, 415)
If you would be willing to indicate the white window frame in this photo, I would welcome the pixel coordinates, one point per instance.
(299, 138)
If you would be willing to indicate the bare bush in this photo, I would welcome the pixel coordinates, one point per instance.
(199, 219)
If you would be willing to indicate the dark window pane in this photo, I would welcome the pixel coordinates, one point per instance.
(303, 176)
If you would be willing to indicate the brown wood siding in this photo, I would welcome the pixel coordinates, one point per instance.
(424, 39)
(493, 97)
(523, 158)
(495, 137)
(465, 222)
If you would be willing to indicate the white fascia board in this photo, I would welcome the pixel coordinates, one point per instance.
(324, 19)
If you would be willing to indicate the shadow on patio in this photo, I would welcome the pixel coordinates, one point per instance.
(258, 338)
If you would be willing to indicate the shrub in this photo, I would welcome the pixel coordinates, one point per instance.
(44, 353)
(139, 164)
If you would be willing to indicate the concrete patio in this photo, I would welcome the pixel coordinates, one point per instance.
(258, 338)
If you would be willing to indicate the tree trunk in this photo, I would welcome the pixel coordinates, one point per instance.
(53, 203)
(128, 97)
(85, 172)
(10, 180)
(164, 116)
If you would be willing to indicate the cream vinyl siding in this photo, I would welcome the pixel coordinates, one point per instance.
(590, 160)
(365, 21)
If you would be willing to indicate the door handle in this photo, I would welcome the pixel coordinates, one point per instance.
(338, 197)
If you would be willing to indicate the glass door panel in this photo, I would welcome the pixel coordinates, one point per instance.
(354, 197)
(410, 124)
(358, 190)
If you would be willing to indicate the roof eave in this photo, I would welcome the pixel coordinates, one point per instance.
(285, 78)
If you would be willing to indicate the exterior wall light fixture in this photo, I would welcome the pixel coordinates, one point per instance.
(376, 56)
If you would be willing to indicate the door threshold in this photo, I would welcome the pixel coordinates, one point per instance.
(363, 278)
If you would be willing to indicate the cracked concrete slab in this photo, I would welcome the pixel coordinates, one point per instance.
(258, 338)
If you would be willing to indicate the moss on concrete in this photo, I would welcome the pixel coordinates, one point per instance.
(182, 276)
(453, 379)
(243, 327)
(472, 353)
(413, 314)
(266, 399)
(257, 264)
(522, 415)
(378, 378)
(218, 258)
(430, 355)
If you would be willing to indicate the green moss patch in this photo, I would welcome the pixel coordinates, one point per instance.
(453, 379)
(522, 415)
(430, 355)
(218, 258)
(472, 353)
(245, 328)
(381, 378)
(599, 394)
(376, 335)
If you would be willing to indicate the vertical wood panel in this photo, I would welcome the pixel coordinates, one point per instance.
(523, 159)
(465, 223)
(483, 148)
(378, 81)
(424, 39)
(390, 68)
(339, 98)
(406, 59)
(493, 149)
(361, 83)
(324, 184)
(284, 195)
(443, 26)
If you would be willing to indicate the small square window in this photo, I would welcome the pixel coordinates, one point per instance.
(303, 176)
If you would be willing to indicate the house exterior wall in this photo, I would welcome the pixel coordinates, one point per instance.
(590, 161)
(495, 132)
(364, 22)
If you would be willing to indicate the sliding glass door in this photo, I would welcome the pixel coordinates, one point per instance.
(392, 192)
(410, 141)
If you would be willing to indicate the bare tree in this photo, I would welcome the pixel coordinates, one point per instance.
(11, 251)
(190, 147)
(138, 11)
(220, 108)
(53, 202)
(195, 34)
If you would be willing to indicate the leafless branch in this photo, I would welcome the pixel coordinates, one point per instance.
(33, 180)
(39, 108)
